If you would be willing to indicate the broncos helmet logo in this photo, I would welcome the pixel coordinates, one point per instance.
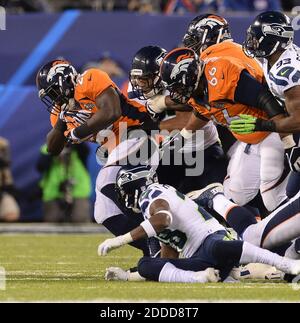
(59, 68)
(182, 66)
(56, 69)
(210, 22)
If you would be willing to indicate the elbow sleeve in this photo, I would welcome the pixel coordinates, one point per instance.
(267, 102)
(250, 91)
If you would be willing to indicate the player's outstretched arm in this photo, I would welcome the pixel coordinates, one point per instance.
(280, 123)
(160, 219)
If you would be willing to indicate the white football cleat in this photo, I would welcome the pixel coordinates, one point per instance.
(257, 271)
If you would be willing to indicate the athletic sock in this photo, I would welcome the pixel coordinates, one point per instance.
(253, 254)
(222, 205)
(293, 251)
(172, 274)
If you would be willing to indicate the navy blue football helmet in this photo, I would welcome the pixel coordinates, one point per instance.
(56, 84)
(270, 31)
(144, 73)
(206, 30)
(131, 182)
(181, 70)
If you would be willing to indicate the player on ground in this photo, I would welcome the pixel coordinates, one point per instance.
(220, 89)
(81, 107)
(181, 225)
(275, 232)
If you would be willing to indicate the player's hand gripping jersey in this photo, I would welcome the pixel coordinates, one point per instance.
(88, 87)
(222, 74)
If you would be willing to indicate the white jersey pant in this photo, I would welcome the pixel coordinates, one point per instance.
(104, 206)
(285, 226)
(254, 168)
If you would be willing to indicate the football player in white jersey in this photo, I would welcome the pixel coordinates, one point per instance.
(270, 38)
(185, 228)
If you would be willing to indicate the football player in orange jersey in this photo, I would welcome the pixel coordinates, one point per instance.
(145, 85)
(209, 36)
(219, 89)
(81, 106)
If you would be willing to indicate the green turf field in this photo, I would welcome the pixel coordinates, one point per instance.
(67, 268)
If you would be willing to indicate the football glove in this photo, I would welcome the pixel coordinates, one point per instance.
(157, 104)
(78, 117)
(110, 244)
(247, 124)
(66, 116)
(81, 116)
(116, 273)
(244, 125)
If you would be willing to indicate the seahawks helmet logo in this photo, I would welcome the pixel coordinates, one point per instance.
(126, 177)
(277, 30)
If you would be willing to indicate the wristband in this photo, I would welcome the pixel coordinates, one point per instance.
(265, 125)
(126, 238)
(135, 277)
(157, 103)
(147, 226)
(186, 134)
